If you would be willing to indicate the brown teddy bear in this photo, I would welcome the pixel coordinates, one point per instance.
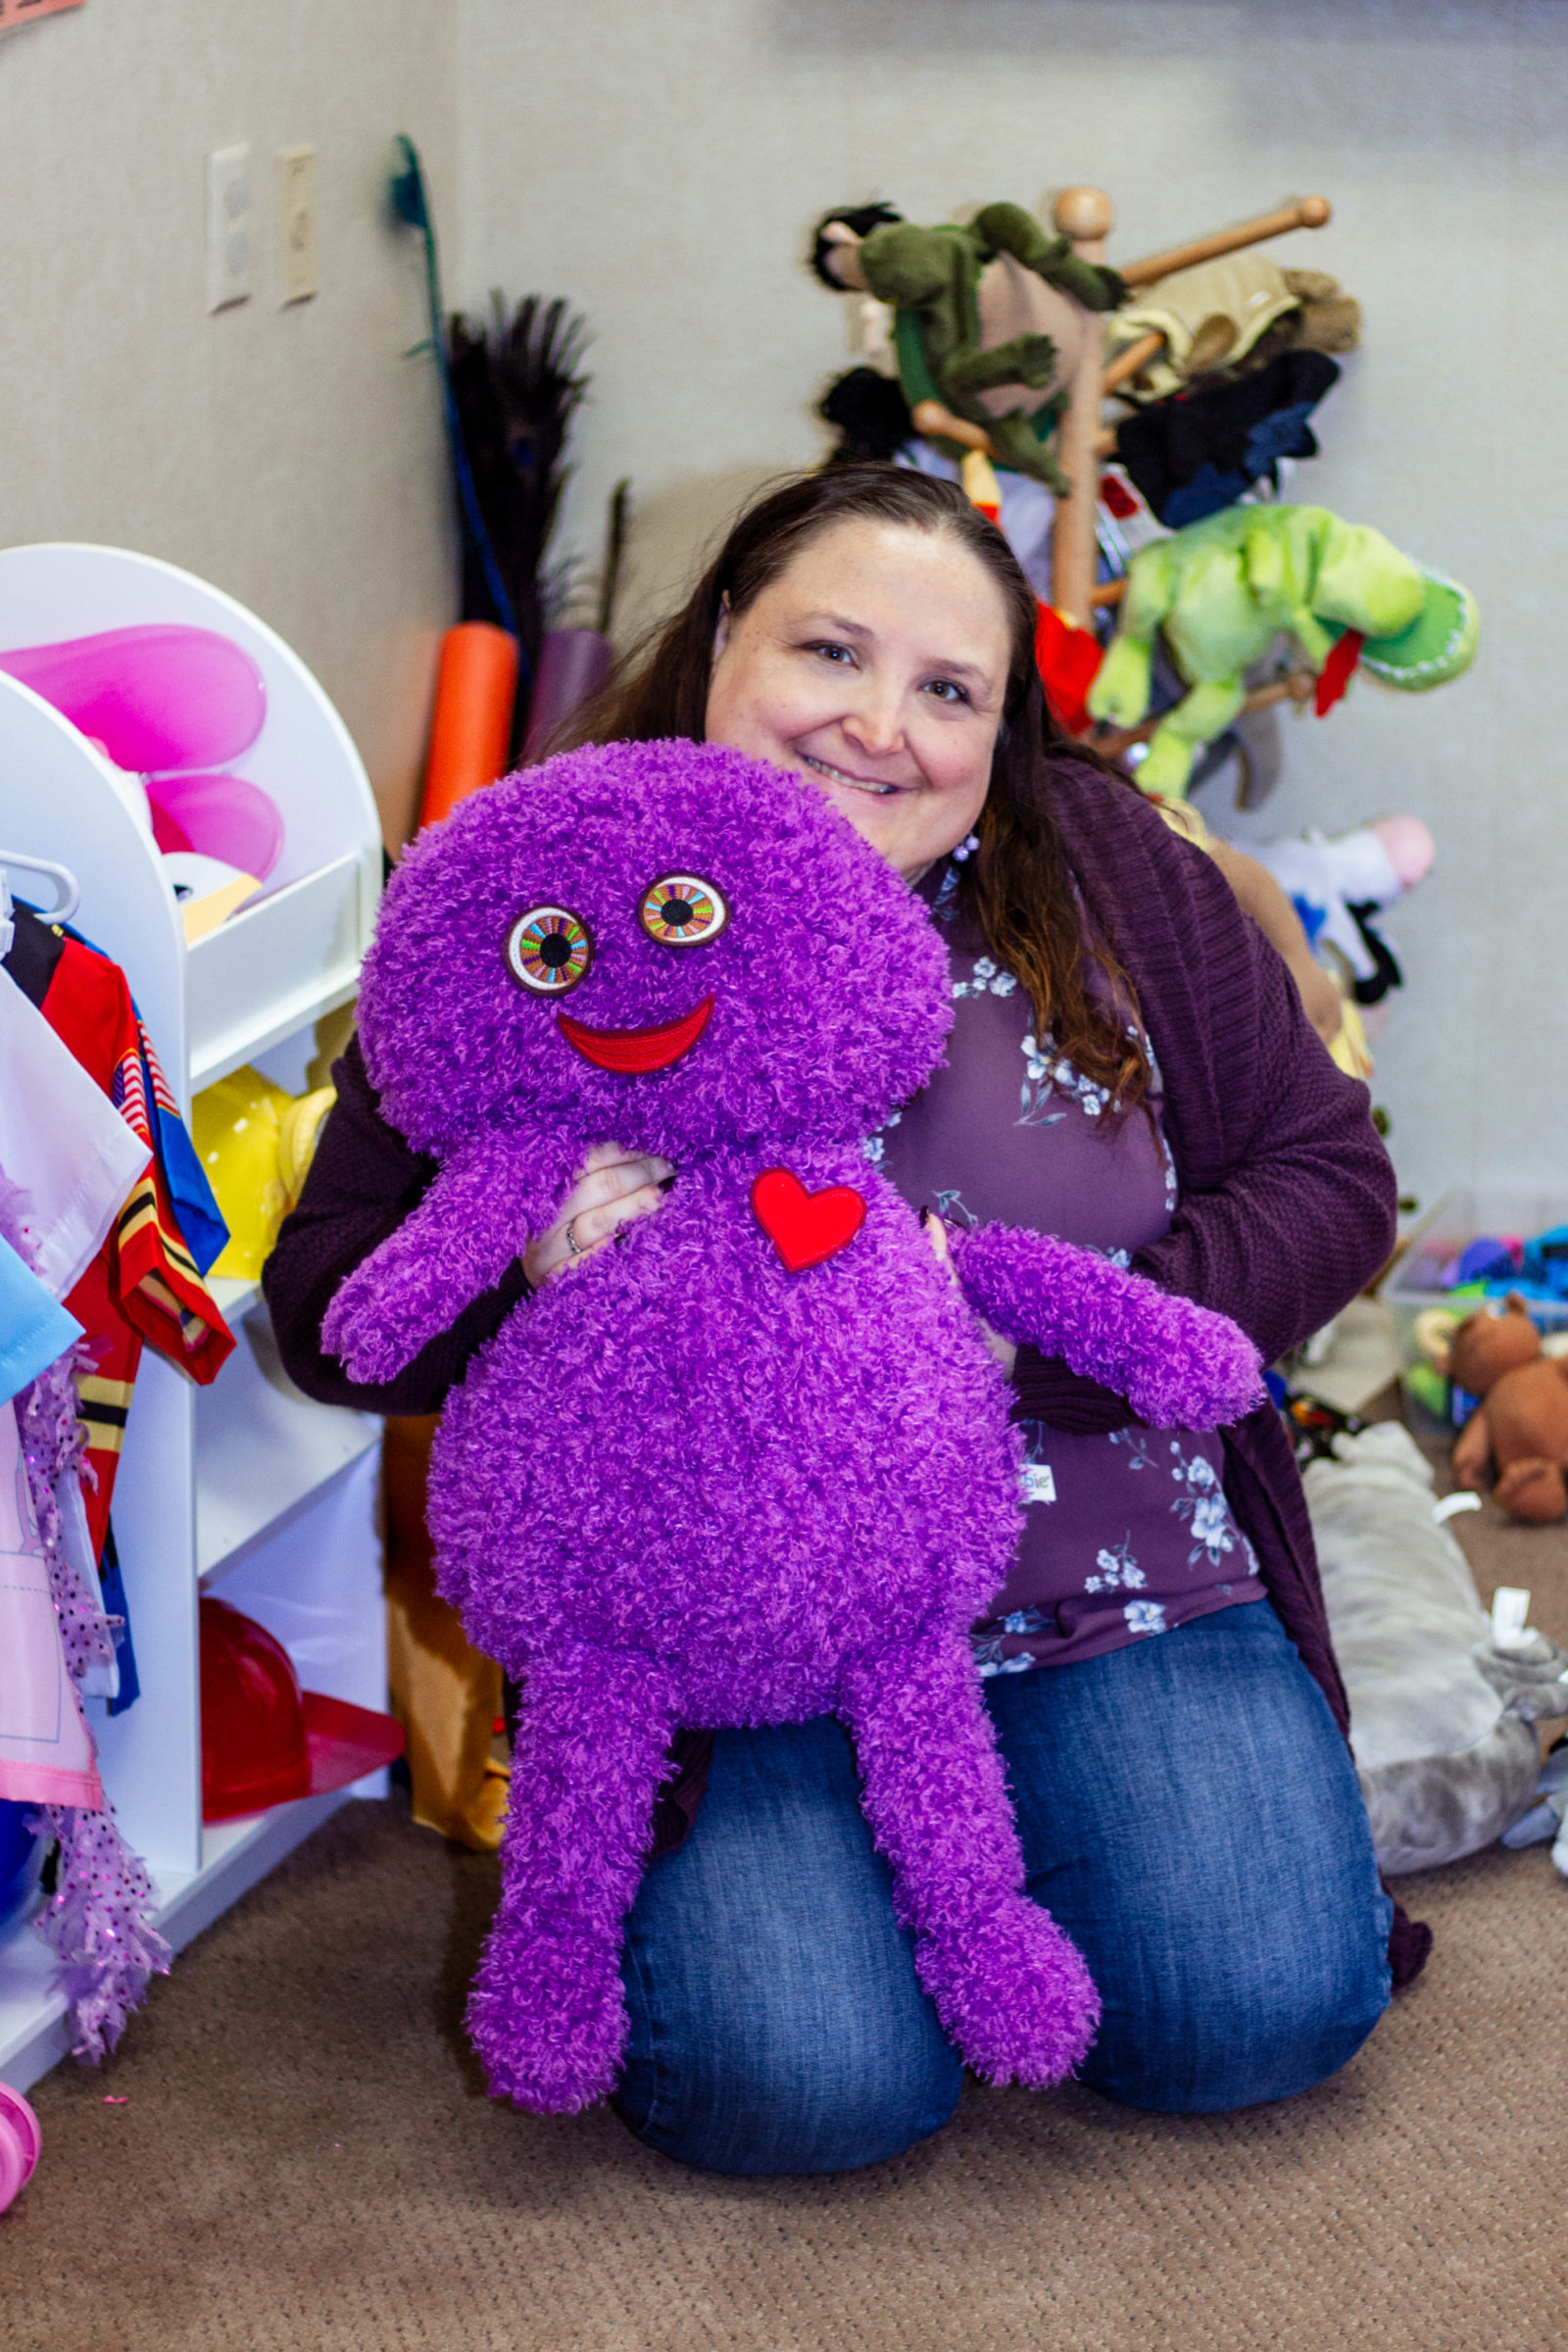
(1521, 1424)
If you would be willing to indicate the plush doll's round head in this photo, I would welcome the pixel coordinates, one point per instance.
(665, 944)
(1487, 1345)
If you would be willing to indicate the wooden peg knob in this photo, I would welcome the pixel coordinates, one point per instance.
(1086, 215)
(937, 422)
(1315, 211)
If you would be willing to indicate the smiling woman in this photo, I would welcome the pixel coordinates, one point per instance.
(891, 697)
(1129, 1067)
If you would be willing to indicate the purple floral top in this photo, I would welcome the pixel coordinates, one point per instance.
(1125, 1534)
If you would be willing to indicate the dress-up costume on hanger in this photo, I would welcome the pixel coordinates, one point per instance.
(146, 1282)
(94, 1262)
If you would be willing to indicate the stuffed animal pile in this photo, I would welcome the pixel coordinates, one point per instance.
(752, 1465)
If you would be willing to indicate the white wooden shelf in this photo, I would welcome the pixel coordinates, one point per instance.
(247, 1481)
(263, 1450)
(293, 953)
(235, 1295)
(309, 931)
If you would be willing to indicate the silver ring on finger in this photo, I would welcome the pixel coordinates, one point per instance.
(572, 1242)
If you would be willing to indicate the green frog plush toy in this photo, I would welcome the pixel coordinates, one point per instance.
(1222, 591)
(990, 317)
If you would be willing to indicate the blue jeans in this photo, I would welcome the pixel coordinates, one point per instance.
(1189, 1814)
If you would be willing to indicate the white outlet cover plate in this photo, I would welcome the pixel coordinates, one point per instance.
(296, 224)
(228, 227)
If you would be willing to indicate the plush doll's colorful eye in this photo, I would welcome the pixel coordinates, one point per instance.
(682, 911)
(549, 950)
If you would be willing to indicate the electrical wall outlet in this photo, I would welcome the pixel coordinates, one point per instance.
(296, 224)
(228, 227)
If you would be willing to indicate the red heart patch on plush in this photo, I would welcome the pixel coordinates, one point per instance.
(806, 1228)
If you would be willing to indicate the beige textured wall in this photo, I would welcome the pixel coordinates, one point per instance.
(293, 457)
(661, 160)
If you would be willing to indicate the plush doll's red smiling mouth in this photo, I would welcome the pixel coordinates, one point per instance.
(633, 1052)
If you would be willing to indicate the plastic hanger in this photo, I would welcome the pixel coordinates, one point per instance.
(67, 891)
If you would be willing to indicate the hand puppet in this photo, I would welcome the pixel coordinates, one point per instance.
(1521, 1424)
(990, 317)
(752, 1465)
(1240, 310)
(1205, 447)
(1339, 887)
(1224, 588)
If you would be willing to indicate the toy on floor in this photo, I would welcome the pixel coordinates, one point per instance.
(20, 2144)
(991, 319)
(1441, 1716)
(1520, 1427)
(1548, 1816)
(754, 1465)
(1224, 588)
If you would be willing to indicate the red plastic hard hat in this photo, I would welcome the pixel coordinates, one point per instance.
(264, 1740)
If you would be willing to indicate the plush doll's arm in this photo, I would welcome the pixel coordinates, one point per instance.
(1197, 718)
(1010, 229)
(1027, 359)
(1472, 1452)
(1179, 1365)
(490, 1198)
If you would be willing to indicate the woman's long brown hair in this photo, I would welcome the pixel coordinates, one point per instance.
(1017, 885)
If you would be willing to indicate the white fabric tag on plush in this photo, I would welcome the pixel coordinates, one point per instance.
(1039, 1482)
(1510, 1606)
(1453, 1504)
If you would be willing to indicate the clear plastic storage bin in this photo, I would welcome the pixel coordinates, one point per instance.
(1460, 1217)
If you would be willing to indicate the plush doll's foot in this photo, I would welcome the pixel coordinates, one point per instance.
(1533, 1490)
(547, 2018)
(1015, 1994)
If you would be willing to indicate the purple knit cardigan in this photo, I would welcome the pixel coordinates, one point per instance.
(1286, 1195)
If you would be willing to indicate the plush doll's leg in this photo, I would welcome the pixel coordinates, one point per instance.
(1027, 359)
(1178, 1364)
(1472, 1451)
(1533, 1490)
(547, 2014)
(1008, 1986)
(1197, 719)
(1017, 443)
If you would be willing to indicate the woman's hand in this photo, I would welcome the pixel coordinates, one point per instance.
(613, 1190)
(1005, 1351)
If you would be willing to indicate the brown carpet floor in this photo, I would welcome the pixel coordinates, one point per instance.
(305, 2160)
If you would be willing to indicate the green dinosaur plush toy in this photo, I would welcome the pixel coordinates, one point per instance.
(1224, 588)
(990, 317)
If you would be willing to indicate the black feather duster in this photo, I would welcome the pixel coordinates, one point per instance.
(516, 385)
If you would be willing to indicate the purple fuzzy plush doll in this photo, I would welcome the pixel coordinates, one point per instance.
(755, 1464)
